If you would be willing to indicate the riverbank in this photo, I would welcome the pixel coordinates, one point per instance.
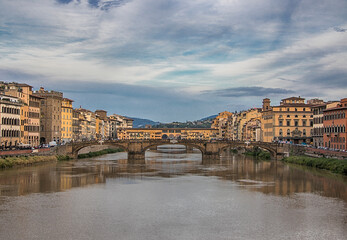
(330, 164)
(10, 162)
(99, 153)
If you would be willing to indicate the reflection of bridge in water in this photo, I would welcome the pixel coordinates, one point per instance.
(210, 150)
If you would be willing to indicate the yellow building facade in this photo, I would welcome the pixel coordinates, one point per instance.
(29, 112)
(66, 120)
(222, 123)
(167, 133)
(291, 121)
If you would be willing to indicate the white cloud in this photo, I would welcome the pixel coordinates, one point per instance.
(237, 43)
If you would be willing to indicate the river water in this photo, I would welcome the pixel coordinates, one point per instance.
(172, 196)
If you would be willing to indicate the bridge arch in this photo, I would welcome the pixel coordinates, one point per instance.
(210, 150)
(76, 149)
(201, 149)
(267, 147)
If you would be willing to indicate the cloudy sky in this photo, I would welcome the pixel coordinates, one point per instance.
(176, 60)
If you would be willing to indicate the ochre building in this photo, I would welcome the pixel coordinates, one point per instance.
(222, 123)
(291, 121)
(29, 113)
(10, 121)
(66, 120)
(50, 118)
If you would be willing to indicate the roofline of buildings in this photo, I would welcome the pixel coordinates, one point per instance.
(168, 128)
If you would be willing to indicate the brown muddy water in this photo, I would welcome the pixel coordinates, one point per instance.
(172, 196)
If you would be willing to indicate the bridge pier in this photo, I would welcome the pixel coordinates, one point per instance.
(136, 157)
(189, 149)
(154, 148)
(210, 158)
(279, 156)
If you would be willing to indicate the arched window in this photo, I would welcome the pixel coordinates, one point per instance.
(288, 132)
(281, 132)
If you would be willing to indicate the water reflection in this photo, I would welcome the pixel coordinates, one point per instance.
(268, 177)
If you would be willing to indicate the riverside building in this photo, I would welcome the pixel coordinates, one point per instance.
(291, 121)
(222, 123)
(51, 102)
(66, 120)
(29, 113)
(10, 121)
(334, 122)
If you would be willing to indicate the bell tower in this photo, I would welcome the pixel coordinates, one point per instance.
(266, 104)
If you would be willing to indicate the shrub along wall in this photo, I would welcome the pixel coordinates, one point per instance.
(9, 162)
(257, 152)
(331, 164)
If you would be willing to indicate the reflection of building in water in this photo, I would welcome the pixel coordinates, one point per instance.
(279, 179)
(266, 177)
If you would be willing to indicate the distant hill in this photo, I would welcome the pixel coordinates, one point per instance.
(202, 123)
(208, 118)
(141, 123)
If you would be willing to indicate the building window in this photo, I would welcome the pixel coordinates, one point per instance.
(281, 123)
(304, 123)
(288, 132)
(288, 122)
(296, 123)
(281, 133)
(304, 132)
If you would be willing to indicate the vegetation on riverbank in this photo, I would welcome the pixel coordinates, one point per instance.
(9, 162)
(63, 158)
(99, 153)
(331, 164)
(257, 152)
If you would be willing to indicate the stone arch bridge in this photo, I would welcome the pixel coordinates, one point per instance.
(136, 149)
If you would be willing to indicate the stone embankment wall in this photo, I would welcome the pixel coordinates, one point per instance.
(293, 150)
(28, 152)
(297, 150)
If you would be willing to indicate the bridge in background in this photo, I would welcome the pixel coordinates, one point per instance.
(210, 150)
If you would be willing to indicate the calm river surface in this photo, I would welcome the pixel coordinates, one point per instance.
(172, 196)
